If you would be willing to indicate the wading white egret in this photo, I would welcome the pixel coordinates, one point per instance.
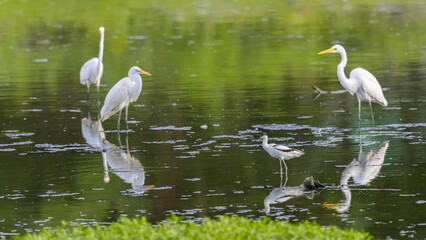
(360, 82)
(124, 92)
(92, 70)
(279, 151)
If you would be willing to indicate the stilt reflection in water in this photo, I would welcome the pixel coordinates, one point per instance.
(363, 170)
(310, 188)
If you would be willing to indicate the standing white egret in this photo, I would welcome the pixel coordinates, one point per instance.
(280, 151)
(360, 82)
(124, 92)
(92, 70)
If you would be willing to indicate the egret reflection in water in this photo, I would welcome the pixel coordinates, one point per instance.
(93, 132)
(363, 170)
(124, 165)
(115, 159)
(310, 188)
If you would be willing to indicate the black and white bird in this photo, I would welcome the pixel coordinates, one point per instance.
(279, 151)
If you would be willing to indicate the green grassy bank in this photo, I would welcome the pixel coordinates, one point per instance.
(223, 228)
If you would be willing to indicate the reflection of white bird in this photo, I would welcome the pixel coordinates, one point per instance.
(125, 166)
(92, 70)
(360, 82)
(280, 195)
(309, 188)
(124, 92)
(363, 170)
(279, 151)
(93, 132)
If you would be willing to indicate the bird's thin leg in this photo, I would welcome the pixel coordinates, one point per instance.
(118, 122)
(125, 121)
(359, 115)
(286, 176)
(281, 167)
(98, 102)
(372, 115)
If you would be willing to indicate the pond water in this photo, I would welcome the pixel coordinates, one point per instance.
(222, 72)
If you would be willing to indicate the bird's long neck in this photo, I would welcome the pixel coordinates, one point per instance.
(265, 141)
(101, 51)
(137, 80)
(348, 84)
(341, 68)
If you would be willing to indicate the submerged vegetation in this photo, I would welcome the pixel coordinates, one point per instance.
(225, 227)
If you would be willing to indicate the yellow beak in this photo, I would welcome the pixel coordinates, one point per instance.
(330, 206)
(143, 72)
(326, 51)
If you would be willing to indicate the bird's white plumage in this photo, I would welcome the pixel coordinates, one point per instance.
(279, 151)
(369, 88)
(125, 91)
(119, 96)
(92, 70)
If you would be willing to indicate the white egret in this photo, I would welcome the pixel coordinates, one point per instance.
(280, 151)
(124, 92)
(92, 70)
(360, 82)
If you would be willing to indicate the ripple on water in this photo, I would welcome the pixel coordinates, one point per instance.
(18, 135)
(171, 128)
(16, 143)
(192, 179)
(166, 142)
(52, 148)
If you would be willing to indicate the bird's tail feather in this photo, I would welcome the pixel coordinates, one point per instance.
(105, 116)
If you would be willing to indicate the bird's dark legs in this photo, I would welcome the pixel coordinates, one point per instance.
(372, 115)
(118, 122)
(125, 121)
